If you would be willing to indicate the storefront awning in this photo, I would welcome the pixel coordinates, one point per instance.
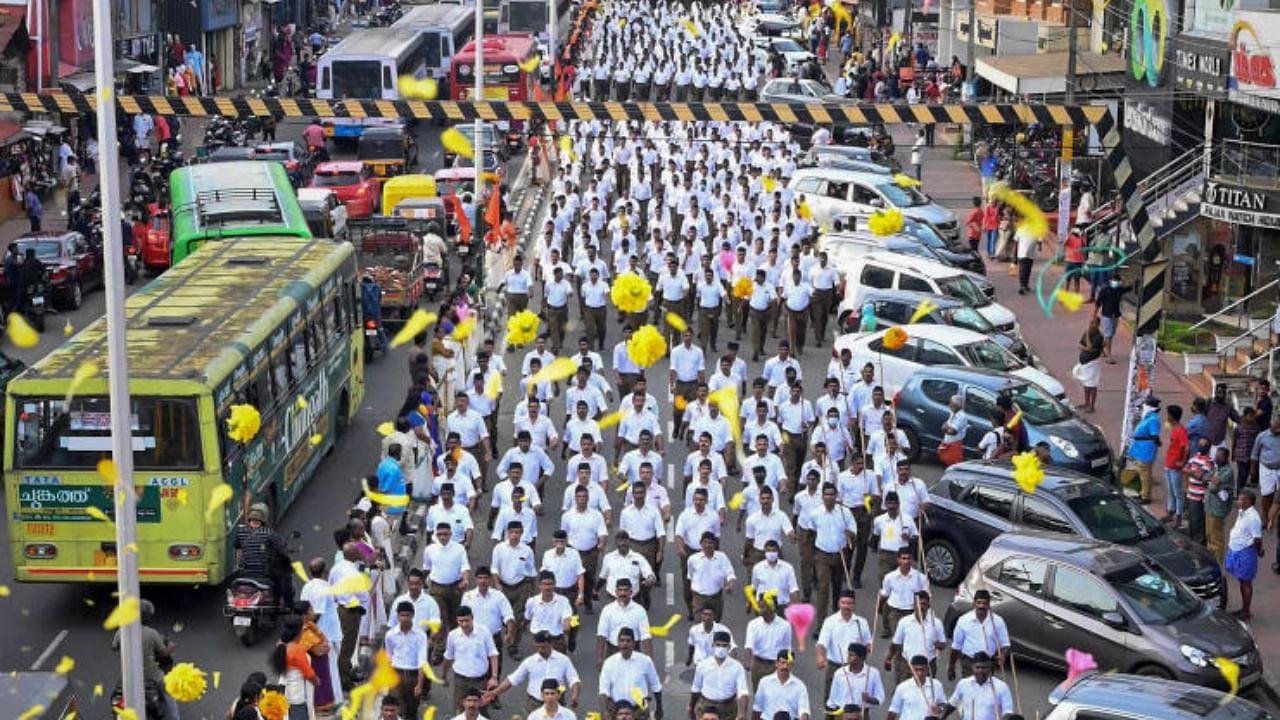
(11, 17)
(80, 82)
(133, 67)
(1042, 74)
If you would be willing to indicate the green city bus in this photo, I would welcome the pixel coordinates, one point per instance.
(231, 200)
(269, 321)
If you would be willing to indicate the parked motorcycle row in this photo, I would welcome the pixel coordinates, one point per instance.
(1026, 158)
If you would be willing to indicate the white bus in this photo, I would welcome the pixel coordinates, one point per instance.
(445, 30)
(367, 64)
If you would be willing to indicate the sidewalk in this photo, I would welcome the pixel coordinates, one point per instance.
(953, 183)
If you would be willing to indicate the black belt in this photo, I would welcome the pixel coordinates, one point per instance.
(508, 585)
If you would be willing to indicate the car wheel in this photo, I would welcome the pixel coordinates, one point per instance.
(914, 441)
(944, 563)
(77, 295)
(1156, 671)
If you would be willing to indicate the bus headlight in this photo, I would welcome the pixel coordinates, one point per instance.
(185, 552)
(41, 551)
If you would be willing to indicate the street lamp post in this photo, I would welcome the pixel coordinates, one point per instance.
(478, 96)
(117, 360)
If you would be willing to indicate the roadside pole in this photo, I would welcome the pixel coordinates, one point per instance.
(478, 96)
(117, 361)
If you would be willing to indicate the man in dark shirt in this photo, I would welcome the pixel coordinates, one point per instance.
(1216, 415)
(1108, 309)
(1263, 398)
(262, 553)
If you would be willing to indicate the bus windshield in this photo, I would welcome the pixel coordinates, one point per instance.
(530, 17)
(54, 434)
(357, 79)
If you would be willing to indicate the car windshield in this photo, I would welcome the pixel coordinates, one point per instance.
(1154, 594)
(961, 287)
(787, 46)
(901, 197)
(924, 234)
(987, 354)
(1037, 406)
(1113, 518)
(336, 179)
(45, 249)
(968, 318)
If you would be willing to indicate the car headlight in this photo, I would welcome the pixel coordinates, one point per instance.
(1066, 447)
(1195, 656)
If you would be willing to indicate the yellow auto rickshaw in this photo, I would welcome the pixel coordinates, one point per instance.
(404, 187)
(388, 151)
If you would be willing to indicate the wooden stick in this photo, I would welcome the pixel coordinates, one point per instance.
(1017, 694)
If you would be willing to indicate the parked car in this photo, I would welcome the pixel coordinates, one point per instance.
(493, 141)
(820, 153)
(921, 407)
(1119, 696)
(793, 90)
(843, 247)
(37, 696)
(74, 264)
(896, 307)
(887, 271)
(354, 184)
(1056, 591)
(768, 25)
(791, 51)
(325, 214)
(931, 345)
(977, 500)
(830, 192)
(954, 252)
(296, 160)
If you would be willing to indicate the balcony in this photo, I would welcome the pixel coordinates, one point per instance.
(1255, 165)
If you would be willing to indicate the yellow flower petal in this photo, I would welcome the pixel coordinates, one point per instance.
(557, 370)
(97, 514)
(623, 487)
(522, 328)
(412, 88)
(217, 679)
(317, 439)
(646, 346)
(922, 311)
(750, 592)
(736, 502)
(126, 613)
(665, 629)
(431, 675)
(676, 322)
(429, 713)
(688, 25)
(4, 591)
(1013, 421)
(493, 388)
(905, 181)
(300, 571)
(637, 696)
(384, 499)
(574, 621)
(463, 330)
(885, 222)
(1230, 672)
(107, 470)
(21, 333)
(68, 329)
(87, 369)
(1027, 471)
(530, 64)
(768, 183)
(32, 713)
(300, 403)
(455, 142)
(612, 419)
(1072, 301)
(417, 323)
(65, 665)
(98, 690)
(386, 428)
(220, 496)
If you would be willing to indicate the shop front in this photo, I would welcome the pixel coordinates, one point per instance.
(219, 20)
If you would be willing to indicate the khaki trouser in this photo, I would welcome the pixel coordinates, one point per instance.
(516, 302)
(557, 318)
(516, 595)
(708, 327)
(596, 322)
(759, 330)
(820, 311)
(862, 541)
(626, 381)
(1144, 478)
(830, 571)
(590, 563)
(797, 322)
(404, 690)
(1215, 536)
(806, 538)
(349, 621)
(761, 668)
(715, 602)
(449, 599)
(461, 684)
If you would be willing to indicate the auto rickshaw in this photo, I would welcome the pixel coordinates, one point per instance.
(404, 187)
(157, 254)
(388, 151)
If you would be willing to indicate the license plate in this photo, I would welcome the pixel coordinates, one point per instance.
(37, 300)
(371, 333)
(1099, 462)
(241, 621)
(102, 558)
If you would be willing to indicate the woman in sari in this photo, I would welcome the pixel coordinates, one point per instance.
(297, 674)
(313, 640)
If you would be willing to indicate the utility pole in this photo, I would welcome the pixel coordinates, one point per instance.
(1071, 50)
(51, 35)
(969, 73)
(478, 96)
(126, 514)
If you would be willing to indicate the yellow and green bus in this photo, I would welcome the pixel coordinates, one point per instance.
(231, 200)
(269, 321)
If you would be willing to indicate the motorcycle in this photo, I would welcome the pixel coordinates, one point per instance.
(252, 605)
(157, 708)
(132, 264)
(433, 280)
(514, 141)
(36, 305)
(372, 339)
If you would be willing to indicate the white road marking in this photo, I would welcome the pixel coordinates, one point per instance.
(671, 477)
(671, 653)
(49, 651)
(670, 585)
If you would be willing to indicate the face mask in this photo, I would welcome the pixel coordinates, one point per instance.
(1115, 283)
(832, 422)
(721, 652)
(771, 556)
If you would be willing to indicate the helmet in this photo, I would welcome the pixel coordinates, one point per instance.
(258, 511)
(146, 610)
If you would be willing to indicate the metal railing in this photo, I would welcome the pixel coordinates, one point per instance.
(1238, 302)
(1247, 163)
(1269, 356)
(1222, 351)
(1178, 177)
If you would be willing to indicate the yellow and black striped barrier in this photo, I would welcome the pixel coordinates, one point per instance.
(1150, 292)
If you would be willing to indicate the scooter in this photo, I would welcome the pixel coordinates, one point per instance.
(433, 280)
(372, 339)
(132, 264)
(251, 605)
(37, 302)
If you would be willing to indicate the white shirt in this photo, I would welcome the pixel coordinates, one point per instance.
(470, 427)
(761, 528)
(848, 686)
(795, 417)
(541, 431)
(517, 282)
(913, 700)
(893, 533)
(408, 650)
(959, 422)
(702, 640)
(562, 713)
(919, 637)
(566, 567)
(830, 527)
(773, 696)
(632, 566)
(911, 495)
(444, 564)
(643, 523)
(780, 576)
(458, 517)
(585, 529)
(899, 590)
(424, 609)
(766, 639)
(548, 616)
(470, 653)
(535, 668)
(614, 617)
(491, 610)
(709, 575)
(1248, 528)
(620, 674)
(690, 525)
(720, 680)
(687, 362)
(837, 633)
(595, 295)
(512, 565)
(774, 470)
(989, 701)
(971, 635)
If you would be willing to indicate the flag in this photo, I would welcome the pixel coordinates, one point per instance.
(464, 223)
(493, 208)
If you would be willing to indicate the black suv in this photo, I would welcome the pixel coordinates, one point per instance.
(973, 502)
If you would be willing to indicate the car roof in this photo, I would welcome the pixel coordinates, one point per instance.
(842, 175)
(982, 377)
(341, 166)
(914, 297)
(1148, 696)
(930, 268)
(313, 194)
(1093, 556)
(946, 334)
(1057, 480)
(375, 132)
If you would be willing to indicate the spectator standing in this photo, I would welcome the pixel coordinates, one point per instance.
(1217, 504)
(1028, 247)
(1174, 459)
(1108, 308)
(1197, 473)
(1244, 547)
(34, 209)
(1142, 449)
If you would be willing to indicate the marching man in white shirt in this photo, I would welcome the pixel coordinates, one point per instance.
(856, 687)
(782, 692)
(720, 688)
(626, 671)
(981, 697)
(919, 696)
(978, 631)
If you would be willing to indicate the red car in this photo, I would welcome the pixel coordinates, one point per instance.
(354, 184)
(74, 264)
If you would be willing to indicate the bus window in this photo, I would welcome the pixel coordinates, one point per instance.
(315, 333)
(324, 78)
(328, 326)
(298, 352)
(52, 433)
(386, 77)
(279, 372)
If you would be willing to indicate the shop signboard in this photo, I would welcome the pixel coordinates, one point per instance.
(218, 14)
(1254, 57)
(1241, 205)
(1201, 66)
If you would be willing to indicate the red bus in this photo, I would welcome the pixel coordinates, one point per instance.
(504, 76)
